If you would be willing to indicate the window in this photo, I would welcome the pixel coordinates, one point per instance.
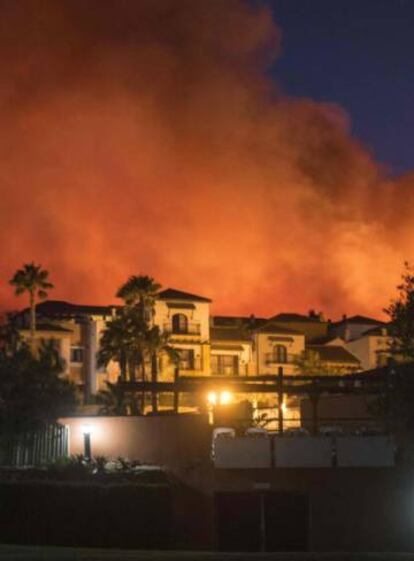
(186, 359)
(179, 323)
(280, 353)
(76, 354)
(225, 365)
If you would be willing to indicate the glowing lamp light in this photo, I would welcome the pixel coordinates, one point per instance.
(226, 398)
(284, 407)
(87, 429)
(212, 398)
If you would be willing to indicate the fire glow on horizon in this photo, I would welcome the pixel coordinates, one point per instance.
(144, 137)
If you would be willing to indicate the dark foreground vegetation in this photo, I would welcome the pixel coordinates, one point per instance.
(84, 513)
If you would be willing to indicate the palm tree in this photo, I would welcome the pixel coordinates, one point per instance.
(32, 279)
(115, 345)
(115, 400)
(157, 343)
(131, 339)
(140, 292)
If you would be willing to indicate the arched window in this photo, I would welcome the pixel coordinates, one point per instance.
(179, 323)
(280, 353)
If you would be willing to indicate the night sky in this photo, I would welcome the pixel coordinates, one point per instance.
(247, 151)
(360, 54)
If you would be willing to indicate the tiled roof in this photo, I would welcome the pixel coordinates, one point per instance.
(292, 317)
(333, 353)
(280, 329)
(228, 334)
(364, 320)
(62, 308)
(237, 321)
(173, 294)
(324, 340)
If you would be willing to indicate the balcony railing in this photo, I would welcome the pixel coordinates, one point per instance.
(274, 358)
(189, 329)
(185, 365)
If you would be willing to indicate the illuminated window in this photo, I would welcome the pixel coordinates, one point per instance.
(225, 365)
(76, 354)
(280, 353)
(179, 323)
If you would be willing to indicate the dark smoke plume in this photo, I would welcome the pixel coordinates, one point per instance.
(145, 136)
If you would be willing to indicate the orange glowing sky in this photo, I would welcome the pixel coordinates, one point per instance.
(145, 137)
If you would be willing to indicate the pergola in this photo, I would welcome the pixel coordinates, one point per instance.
(376, 382)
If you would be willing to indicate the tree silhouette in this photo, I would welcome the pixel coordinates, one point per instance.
(32, 279)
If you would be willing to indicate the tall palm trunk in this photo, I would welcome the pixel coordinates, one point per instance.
(123, 367)
(143, 377)
(32, 316)
(132, 369)
(154, 379)
(135, 408)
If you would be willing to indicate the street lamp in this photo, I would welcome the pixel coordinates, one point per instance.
(226, 398)
(87, 431)
(212, 398)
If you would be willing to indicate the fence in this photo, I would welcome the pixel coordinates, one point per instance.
(252, 452)
(35, 448)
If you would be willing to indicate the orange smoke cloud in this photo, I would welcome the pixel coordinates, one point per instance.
(146, 137)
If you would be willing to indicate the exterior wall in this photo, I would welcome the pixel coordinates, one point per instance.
(175, 440)
(264, 347)
(355, 509)
(199, 315)
(64, 351)
(367, 349)
(378, 345)
(311, 329)
(360, 348)
(349, 330)
(199, 320)
(244, 355)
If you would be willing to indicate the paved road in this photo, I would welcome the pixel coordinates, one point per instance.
(39, 553)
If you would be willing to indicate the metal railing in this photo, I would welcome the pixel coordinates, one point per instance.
(34, 448)
(275, 358)
(189, 329)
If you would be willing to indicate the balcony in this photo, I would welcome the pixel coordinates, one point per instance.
(189, 329)
(194, 364)
(273, 358)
